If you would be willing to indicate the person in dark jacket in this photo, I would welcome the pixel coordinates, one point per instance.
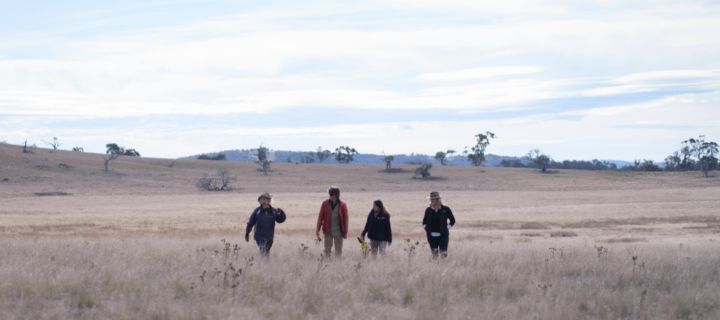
(263, 219)
(436, 225)
(378, 229)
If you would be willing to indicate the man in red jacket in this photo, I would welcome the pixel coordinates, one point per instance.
(333, 219)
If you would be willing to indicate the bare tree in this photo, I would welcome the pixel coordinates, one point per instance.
(54, 144)
(219, 182)
(423, 171)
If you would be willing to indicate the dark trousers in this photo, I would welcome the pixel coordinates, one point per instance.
(438, 245)
(264, 246)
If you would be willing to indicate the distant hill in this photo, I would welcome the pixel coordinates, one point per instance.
(492, 160)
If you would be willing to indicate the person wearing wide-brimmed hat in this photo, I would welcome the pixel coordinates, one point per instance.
(263, 218)
(333, 221)
(436, 225)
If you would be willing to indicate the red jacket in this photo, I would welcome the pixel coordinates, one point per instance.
(324, 218)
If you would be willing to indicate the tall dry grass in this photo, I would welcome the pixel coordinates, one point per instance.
(172, 278)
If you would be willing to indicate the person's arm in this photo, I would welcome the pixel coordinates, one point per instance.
(250, 224)
(280, 216)
(389, 231)
(320, 221)
(426, 220)
(451, 217)
(367, 225)
(345, 220)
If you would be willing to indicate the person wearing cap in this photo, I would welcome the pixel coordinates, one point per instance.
(333, 221)
(263, 219)
(436, 225)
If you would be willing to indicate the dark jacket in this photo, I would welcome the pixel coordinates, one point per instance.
(377, 227)
(438, 221)
(263, 219)
(324, 222)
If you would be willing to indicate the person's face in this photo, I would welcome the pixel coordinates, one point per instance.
(375, 208)
(435, 202)
(333, 198)
(265, 202)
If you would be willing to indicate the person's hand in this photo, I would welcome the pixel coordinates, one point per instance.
(317, 236)
(247, 237)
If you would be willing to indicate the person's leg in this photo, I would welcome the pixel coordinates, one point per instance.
(432, 241)
(382, 245)
(338, 246)
(444, 241)
(328, 245)
(374, 247)
(264, 247)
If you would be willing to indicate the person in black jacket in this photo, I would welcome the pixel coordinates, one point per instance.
(378, 229)
(436, 225)
(263, 218)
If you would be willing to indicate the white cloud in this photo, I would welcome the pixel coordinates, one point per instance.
(479, 73)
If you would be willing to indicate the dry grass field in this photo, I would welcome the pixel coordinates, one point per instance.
(142, 242)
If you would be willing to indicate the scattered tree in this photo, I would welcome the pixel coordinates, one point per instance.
(643, 165)
(112, 152)
(541, 161)
(442, 156)
(388, 162)
(308, 157)
(131, 153)
(25, 147)
(217, 157)
(322, 154)
(423, 171)
(54, 144)
(262, 155)
(218, 182)
(705, 152)
(476, 154)
(345, 154)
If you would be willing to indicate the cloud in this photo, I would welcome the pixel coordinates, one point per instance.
(479, 73)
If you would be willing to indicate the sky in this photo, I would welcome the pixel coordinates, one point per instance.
(604, 79)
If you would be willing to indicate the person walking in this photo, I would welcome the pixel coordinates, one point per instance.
(333, 220)
(263, 219)
(436, 225)
(378, 229)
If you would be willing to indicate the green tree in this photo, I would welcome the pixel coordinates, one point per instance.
(322, 154)
(476, 154)
(442, 156)
(541, 160)
(706, 153)
(345, 154)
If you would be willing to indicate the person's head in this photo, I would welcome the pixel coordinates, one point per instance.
(265, 199)
(435, 199)
(334, 193)
(379, 207)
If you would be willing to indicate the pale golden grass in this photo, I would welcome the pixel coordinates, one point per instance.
(173, 278)
(133, 244)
